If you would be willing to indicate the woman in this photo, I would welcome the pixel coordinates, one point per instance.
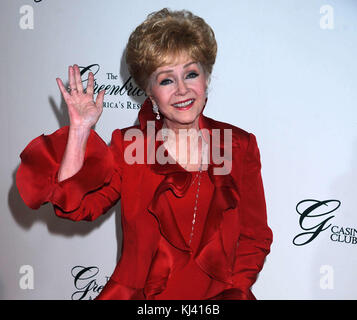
(190, 231)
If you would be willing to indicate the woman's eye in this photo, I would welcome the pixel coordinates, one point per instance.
(192, 75)
(165, 82)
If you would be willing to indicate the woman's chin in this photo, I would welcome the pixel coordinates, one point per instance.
(184, 121)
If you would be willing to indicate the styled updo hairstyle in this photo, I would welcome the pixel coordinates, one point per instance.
(162, 37)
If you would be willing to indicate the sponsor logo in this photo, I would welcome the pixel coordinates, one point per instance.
(86, 283)
(124, 93)
(316, 217)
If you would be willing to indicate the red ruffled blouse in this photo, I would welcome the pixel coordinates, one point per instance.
(231, 236)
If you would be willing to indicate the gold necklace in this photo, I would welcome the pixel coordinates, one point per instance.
(196, 203)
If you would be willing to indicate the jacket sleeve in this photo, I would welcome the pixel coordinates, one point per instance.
(255, 235)
(84, 196)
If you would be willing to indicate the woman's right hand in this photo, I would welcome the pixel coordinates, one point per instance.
(82, 110)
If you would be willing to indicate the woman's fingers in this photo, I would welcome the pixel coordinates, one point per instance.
(77, 77)
(72, 82)
(75, 81)
(82, 109)
(90, 84)
(63, 89)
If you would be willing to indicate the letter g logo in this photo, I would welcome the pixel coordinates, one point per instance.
(313, 210)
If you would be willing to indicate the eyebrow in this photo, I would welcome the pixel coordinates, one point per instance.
(170, 70)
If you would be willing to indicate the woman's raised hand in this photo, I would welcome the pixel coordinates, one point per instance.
(82, 110)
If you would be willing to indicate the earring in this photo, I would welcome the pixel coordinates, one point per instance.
(155, 109)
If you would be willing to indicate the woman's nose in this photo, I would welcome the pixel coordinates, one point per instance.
(181, 88)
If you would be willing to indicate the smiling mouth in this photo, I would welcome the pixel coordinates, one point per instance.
(184, 104)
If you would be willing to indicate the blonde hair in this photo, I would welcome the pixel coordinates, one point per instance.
(162, 37)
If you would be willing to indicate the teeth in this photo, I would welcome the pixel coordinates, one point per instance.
(184, 104)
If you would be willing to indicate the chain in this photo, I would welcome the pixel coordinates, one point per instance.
(196, 203)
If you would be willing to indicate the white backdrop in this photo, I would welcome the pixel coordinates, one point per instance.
(285, 70)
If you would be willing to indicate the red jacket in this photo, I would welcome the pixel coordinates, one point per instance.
(236, 237)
